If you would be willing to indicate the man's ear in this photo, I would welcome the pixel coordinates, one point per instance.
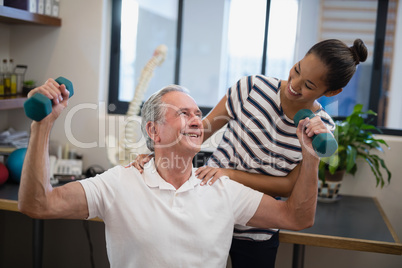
(152, 131)
(333, 92)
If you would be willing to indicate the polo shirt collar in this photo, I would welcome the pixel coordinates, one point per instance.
(153, 179)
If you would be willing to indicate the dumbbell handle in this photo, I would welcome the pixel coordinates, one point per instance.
(324, 144)
(39, 106)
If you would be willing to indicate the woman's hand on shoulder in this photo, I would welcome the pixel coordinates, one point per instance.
(211, 174)
(140, 161)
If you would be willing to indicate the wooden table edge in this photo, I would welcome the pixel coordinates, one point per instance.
(10, 205)
(386, 220)
(340, 242)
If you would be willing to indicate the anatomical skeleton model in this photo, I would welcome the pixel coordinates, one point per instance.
(130, 142)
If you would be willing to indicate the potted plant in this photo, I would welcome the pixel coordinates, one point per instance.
(27, 86)
(355, 141)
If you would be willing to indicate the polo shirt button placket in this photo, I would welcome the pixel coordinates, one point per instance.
(176, 203)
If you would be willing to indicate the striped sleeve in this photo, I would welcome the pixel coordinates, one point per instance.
(326, 119)
(237, 95)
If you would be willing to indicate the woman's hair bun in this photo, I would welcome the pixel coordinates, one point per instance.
(359, 51)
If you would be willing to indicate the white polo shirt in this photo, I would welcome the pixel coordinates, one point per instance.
(149, 223)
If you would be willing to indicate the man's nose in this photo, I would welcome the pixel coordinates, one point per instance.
(195, 121)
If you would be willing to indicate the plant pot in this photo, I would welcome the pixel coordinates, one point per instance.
(328, 191)
(26, 89)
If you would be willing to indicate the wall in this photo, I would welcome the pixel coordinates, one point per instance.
(79, 50)
(4, 54)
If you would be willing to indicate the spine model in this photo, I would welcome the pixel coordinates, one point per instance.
(129, 144)
(146, 75)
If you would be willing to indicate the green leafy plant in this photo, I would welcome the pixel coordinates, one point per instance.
(355, 140)
(29, 83)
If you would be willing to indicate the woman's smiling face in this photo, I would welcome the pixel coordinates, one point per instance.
(307, 80)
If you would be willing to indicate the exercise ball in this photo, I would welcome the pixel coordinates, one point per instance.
(14, 164)
(3, 173)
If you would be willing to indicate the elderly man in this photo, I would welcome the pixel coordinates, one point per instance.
(162, 217)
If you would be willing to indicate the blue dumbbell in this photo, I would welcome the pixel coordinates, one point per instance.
(324, 144)
(39, 106)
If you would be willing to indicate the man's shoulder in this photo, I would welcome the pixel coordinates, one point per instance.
(121, 171)
(116, 173)
(229, 184)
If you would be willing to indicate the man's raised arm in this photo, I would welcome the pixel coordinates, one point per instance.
(298, 211)
(37, 198)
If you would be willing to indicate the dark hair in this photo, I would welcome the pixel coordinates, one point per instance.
(340, 60)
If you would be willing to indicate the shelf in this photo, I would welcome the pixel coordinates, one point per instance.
(14, 102)
(11, 15)
(19, 16)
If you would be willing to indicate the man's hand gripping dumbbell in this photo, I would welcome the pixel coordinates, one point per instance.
(52, 96)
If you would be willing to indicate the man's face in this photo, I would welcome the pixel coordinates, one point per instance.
(182, 130)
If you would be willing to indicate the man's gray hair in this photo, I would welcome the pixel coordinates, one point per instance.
(153, 110)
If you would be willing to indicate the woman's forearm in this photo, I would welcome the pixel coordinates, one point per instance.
(271, 185)
(216, 119)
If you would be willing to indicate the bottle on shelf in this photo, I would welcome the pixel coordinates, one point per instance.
(13, 78)
(6, 79)
(2, 93)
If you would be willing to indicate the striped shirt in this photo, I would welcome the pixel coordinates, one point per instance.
(259, 137)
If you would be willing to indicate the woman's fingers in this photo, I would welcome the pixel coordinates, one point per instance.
(209, 174)
(140, 161)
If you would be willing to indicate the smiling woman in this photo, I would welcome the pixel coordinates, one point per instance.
(243, 37)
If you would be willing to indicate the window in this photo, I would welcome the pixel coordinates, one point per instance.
(233, 42)
(282, 35)
(212, 43)
(346, 20)
(245, 39)
(138, 28)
